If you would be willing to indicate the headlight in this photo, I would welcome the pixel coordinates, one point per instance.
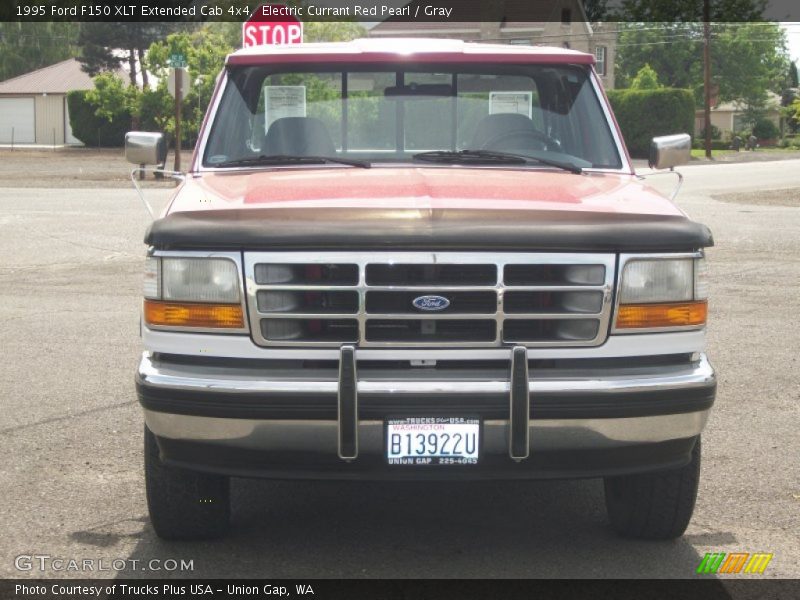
(662, 292)
(192, 292)
(657, 281)
(199, 280)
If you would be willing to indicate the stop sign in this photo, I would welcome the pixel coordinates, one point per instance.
(272, 24)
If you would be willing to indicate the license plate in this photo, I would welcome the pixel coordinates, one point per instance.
(432, 441)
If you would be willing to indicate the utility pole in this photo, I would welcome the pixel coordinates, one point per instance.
(179, 77)
(178, 101)
(707, 73)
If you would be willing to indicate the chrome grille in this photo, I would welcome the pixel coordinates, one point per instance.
(319, 299)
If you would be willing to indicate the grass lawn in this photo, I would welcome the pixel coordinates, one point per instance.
(700, 153)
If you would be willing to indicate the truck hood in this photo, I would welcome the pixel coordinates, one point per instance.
(422, 189)
(426, 208)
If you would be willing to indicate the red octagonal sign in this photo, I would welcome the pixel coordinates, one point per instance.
(272, 24)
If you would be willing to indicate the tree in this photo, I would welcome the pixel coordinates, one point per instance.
(205, 50)
(332, 31)
(690, 11)
(25, 47)
(673, 50)
(646, 79)
(104, 46)
(795, 118)
(596, 10)
(748, 59)
(111, 98)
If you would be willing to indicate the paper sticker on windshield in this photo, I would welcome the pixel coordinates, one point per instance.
(520, 103)
(283, 101)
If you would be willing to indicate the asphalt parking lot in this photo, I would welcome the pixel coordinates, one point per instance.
(70, 427)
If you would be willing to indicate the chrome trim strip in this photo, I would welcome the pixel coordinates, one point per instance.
(627, 167)
(182, 377)
(318, 435)
(238, 346)
(209, 122)
(498, 260)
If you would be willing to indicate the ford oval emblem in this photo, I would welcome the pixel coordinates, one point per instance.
(431, 302)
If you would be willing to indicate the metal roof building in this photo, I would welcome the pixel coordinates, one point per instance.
(33, 106)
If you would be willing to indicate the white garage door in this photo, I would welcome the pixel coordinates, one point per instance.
(17, 118)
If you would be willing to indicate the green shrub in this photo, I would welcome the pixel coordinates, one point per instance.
(91, 129)
(645, 114)
(646, 79)
(716, 134)
(764, 129)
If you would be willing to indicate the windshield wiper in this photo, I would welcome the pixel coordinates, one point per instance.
(299, 159)
(475, 157)
(492, 157)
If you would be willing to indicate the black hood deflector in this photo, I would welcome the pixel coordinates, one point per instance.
(421, 229)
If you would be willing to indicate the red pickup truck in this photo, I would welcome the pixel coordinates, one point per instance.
(420, 259)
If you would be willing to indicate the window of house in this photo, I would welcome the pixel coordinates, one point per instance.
(600, 56)
(566, 16)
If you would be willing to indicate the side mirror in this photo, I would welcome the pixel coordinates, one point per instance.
(669, 151)
(145, 148)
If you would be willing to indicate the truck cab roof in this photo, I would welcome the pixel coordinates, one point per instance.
(412, 49)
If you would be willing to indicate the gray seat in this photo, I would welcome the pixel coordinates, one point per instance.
(303, 136)
(498, 125)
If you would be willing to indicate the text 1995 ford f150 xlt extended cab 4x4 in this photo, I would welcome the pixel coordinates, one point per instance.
(410, 259)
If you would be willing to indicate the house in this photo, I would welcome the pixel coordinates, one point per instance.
(33, 106)
(558, 23)
(728, 117)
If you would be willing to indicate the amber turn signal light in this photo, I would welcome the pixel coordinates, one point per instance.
(180, 314)
(669, 314)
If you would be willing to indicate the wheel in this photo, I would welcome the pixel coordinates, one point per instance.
(184, 505)
(654, 506)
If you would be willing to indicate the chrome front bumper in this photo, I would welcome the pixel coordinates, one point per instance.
(321, 435)
(186, 377)
(243, 408)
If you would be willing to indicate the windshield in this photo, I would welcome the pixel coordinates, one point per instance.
(394, 113)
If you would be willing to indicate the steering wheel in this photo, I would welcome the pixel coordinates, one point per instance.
(501, 140)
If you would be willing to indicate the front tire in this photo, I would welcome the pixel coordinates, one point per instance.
(184, 505)
(654, 506)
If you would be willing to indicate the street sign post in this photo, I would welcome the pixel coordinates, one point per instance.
(177, 60)
(272, 24)
(178, 77)
(178, 85)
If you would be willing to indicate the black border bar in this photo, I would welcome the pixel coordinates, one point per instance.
(402, 589)
(413, 11)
